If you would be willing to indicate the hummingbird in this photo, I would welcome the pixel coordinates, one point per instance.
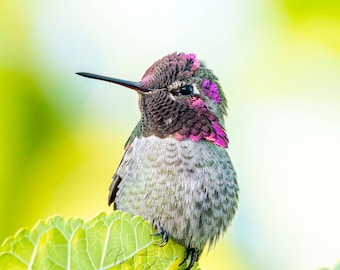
(176, 172)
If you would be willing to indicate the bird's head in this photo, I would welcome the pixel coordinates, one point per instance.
(179, 97)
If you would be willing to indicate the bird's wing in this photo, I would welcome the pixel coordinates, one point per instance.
(116, 179)
(137, 131)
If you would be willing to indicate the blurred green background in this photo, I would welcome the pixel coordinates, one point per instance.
(62, 136)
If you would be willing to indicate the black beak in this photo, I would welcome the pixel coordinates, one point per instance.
(133, 85)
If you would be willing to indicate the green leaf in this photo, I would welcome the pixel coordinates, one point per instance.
(114, 241)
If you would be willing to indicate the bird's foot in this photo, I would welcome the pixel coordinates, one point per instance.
(193, 254)
(165, 237)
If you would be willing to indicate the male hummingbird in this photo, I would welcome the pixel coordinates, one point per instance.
(176, 172)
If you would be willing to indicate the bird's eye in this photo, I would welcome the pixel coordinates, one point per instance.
(186, 90)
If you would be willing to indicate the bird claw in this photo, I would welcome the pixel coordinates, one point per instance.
(190, 252)
(165, 237)
(193, 254)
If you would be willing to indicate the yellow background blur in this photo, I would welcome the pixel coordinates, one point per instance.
(62, 136)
